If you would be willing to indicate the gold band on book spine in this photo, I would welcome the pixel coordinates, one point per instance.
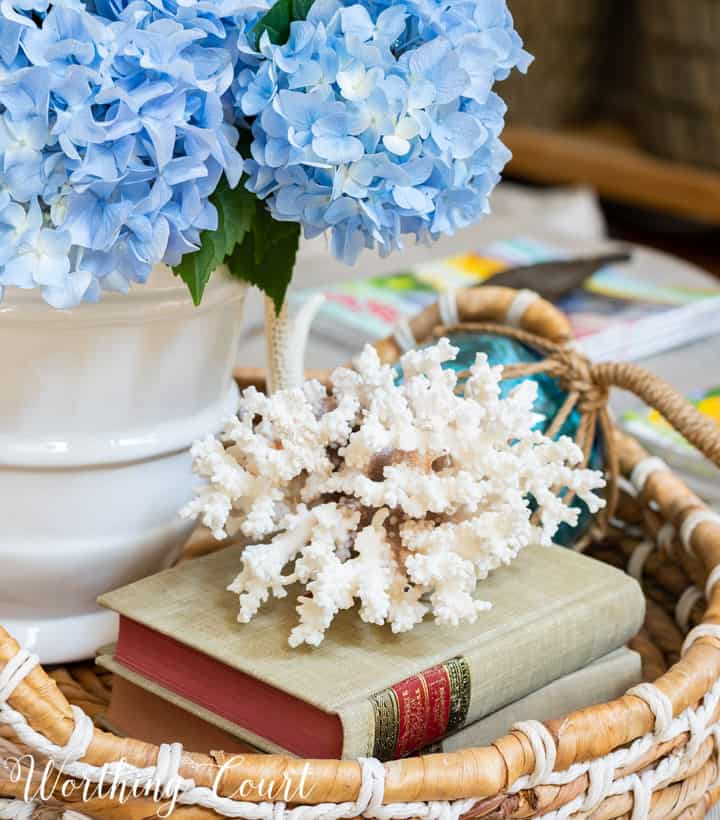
(459, 673)
(388, 712)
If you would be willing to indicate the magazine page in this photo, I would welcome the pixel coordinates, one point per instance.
(620, 311)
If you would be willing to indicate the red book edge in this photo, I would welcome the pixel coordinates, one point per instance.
(137, 712)
(408, 716)
(249, 703)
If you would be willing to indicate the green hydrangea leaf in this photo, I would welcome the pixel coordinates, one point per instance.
(236, 213)
(236, 208)
(276, 21)
(195, 268)
(266, 256)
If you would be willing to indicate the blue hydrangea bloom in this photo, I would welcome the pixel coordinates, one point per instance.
(119, 117)
(114, 132)
(377, 119)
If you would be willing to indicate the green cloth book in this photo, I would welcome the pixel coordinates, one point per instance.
(604, 680)
(365, 691)
(143, 709)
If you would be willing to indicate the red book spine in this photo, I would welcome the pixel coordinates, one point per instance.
(421, 710)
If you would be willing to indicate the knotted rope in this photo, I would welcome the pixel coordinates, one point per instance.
(587, 386)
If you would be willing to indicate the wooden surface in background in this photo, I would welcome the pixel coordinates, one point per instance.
(606, 157)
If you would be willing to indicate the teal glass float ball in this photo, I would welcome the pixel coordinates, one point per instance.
(550, 398)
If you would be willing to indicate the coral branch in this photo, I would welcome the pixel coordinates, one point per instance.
(399, 497)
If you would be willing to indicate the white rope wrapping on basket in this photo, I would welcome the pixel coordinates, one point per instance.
(640, 554)
(658, 703)
(600, 776)
(15, 671)
(11, 676)
(165, 780)
(642, 789)
(701, 631)
(448, 307)
(522, 300)
(685, 606)
(403, 335)
(626, 486)
(644, 469)
(543, 746)
(601, 772)
(692, 522)
(167, 768)
(16, 809)
(712, 582)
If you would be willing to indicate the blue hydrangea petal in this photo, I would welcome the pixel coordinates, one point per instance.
(76, 287)
(9, 40)
(459, 134)
(338, 149)
(356, 21)
(18, 272)
(413, 199)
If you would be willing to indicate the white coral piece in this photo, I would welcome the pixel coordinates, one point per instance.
(400, 497)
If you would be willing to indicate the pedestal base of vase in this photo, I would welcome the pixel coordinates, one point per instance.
(63, 640)
(49, 604)
(99, 408)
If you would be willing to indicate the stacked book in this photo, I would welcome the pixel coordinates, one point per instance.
(186, 670)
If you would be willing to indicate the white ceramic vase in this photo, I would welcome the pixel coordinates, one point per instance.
(98, 408)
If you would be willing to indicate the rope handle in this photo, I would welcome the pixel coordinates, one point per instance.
(578, 375)
(698, 429)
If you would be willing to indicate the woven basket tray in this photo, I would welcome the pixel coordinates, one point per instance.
(651, 753)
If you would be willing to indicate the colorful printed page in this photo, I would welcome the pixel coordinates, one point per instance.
(612, 300)
(656, 434)
(651, 426)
